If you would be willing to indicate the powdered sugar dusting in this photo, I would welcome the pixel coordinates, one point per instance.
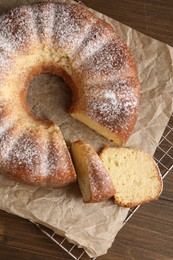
(43, 18)
(109, 59)
(6, 121)
(96, 38)
(44, 171)
(70, 26)
(114, 104)
(6, 124)
(59, 162)
(5, 64)
(17, 32)
(25, 155)
(35, 159)
(7, 140)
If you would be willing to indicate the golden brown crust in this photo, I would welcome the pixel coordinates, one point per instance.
(94, 181)
(131, 205)
(37, 159)
(61, 171)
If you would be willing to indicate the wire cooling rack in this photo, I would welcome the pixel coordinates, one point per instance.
(164, 158)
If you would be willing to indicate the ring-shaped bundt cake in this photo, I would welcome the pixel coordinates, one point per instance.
(71, 42)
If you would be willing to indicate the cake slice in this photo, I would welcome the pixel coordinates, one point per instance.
(94, 181)
(134, 174)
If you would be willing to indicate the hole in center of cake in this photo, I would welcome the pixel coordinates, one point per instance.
(49, 98)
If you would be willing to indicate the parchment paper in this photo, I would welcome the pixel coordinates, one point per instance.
(92, 226)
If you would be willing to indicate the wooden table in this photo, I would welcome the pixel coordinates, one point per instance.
(149, 233)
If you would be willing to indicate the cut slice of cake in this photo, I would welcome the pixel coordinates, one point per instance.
(94, 181)
(134, 173)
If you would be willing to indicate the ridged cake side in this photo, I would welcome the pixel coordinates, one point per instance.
(71, 42)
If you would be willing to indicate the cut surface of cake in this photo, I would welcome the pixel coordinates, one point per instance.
(134, 173)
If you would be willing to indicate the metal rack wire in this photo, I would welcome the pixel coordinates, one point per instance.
(164, 158)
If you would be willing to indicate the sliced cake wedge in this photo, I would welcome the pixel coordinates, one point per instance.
(134, 173)
(94, 181)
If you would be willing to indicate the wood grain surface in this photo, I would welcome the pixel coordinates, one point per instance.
(149, 233)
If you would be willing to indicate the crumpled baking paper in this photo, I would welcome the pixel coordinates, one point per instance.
(92, 226)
